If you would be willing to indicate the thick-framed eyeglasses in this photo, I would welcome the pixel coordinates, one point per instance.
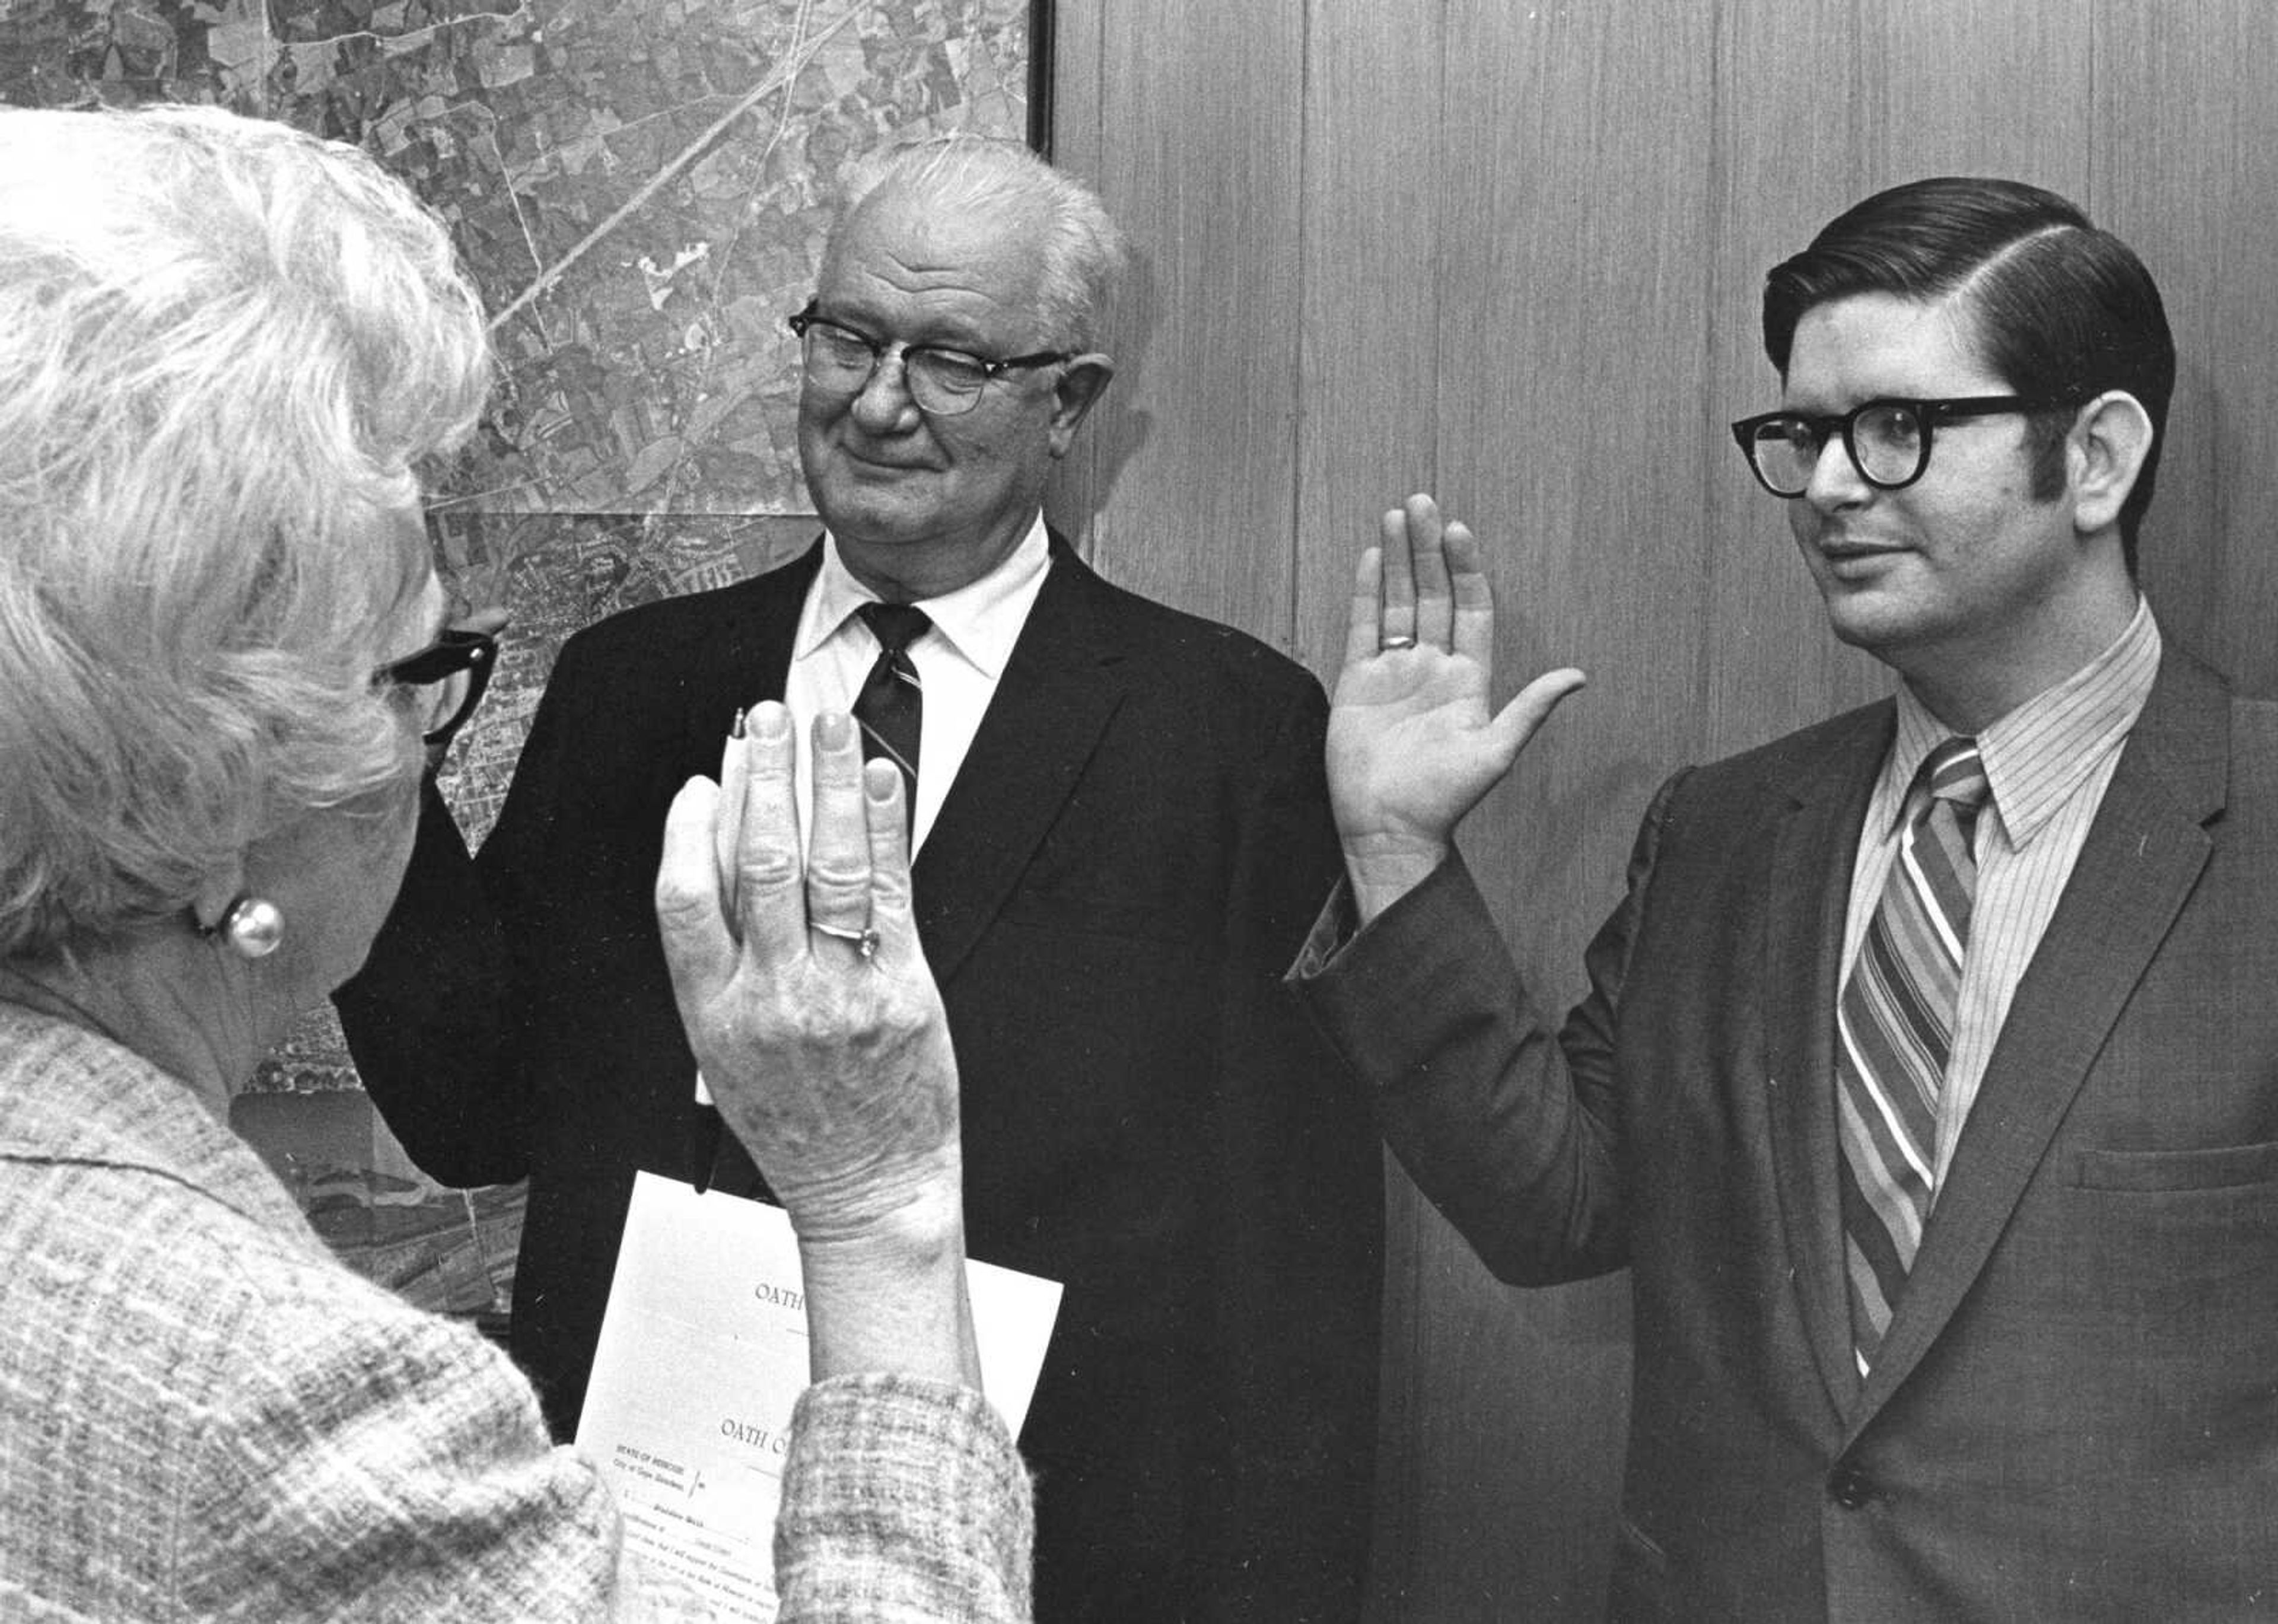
(943, 382)
(1888, 441)
(444, 681)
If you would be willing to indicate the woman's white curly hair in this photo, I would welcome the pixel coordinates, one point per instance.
(223, 346)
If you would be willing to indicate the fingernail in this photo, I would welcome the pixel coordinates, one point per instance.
(834, 729)
(770, 724)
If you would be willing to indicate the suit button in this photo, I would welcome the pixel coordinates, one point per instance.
(1849, 1487)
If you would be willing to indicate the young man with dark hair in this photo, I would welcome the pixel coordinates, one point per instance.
(1928, 1078)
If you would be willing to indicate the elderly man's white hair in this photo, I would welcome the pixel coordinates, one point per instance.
(1082, 251)
(223, 345)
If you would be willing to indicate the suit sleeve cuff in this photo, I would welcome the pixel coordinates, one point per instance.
(1367, 988)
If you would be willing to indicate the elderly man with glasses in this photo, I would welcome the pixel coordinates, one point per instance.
(1122, 829)
(1928, 1079)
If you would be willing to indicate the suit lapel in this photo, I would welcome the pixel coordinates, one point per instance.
(1059, 689)
(1812, 851)
(755, 646)
(2143, 855)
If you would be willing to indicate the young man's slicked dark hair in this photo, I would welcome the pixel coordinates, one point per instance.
(2063, 309)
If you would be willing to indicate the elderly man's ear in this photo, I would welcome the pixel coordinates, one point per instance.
(2110, 439)
(1082, 381)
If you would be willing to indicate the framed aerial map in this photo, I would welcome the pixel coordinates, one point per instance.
(641, 188)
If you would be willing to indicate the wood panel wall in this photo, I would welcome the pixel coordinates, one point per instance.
(1510, 252)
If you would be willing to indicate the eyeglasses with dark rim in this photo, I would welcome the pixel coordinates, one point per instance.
(945, 382)
(1888, 441)
(457, 666)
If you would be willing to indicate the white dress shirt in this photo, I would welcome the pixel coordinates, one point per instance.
(959, 660)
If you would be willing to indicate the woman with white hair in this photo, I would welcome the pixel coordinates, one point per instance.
(224, 348)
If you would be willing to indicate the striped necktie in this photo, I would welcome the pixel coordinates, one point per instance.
(891, 704)
(1895, 1026)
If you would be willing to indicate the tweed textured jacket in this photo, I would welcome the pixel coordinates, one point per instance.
(903, 1503)
(203, 1415)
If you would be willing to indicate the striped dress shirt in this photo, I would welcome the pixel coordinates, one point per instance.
(2049, 762)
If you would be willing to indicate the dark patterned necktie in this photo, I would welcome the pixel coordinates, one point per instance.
(1895, 1032)
(891, 704)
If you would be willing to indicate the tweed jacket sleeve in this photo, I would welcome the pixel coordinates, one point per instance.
(903, 1503)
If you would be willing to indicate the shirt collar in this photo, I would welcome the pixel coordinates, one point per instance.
(981, 620)
(2037, 755)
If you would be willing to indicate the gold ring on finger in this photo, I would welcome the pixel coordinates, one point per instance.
(864, 941)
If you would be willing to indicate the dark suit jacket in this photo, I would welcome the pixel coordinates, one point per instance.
(2075, 1414)
(1131, 852)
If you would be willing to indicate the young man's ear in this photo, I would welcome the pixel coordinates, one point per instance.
(2104, 457)
(1082, 381)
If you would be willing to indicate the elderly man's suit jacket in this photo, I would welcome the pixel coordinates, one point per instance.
(2075, 1414)
(1130, 854)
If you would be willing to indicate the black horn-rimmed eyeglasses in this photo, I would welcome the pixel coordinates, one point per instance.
(1887, 440)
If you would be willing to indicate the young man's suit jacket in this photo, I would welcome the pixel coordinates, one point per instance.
(2075, 1414)
(1131, 852)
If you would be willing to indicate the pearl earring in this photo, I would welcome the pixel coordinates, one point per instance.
(252, 928)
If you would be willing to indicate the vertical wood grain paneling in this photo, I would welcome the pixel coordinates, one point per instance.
(1374, 245)
(2186, 154)
(1977, 88)
(1790, 145)
(1075, 139)
(1376, 124)
(1200, 109)
(1571, 312)
(1572, 317)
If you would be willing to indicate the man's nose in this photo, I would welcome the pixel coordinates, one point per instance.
(1836, 481)
(884, 402)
